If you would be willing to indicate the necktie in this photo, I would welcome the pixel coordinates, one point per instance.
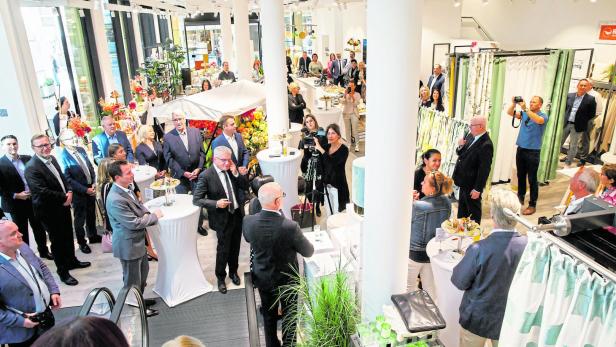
(84, 167)
(229, 192)
(55, 172)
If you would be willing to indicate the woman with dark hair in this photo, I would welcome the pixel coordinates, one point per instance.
(430, 161)
(89, 331)
(436, 102)
(206, 85)
(63, 116)
(608, 182)
(335, 155)
(317, 133)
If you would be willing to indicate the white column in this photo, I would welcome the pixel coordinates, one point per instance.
(20, 97)
(138, 40)
(388, 179)
(243, 59)
(102, 50)
(226, 34)
(274, 67)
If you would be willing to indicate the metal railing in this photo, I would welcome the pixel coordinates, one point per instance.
(254, 337)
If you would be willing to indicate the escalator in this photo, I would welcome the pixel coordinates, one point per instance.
(127, 312)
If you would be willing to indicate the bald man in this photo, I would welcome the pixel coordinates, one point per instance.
(473, 168)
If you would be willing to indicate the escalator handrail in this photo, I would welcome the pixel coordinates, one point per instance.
(117, 311)
(254, 337)
(91, 298)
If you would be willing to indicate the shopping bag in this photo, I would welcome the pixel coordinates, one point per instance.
(303, 215)
(332, 196)
(106, 244)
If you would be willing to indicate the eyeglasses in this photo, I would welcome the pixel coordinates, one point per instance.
(284, 195)
(46, 145)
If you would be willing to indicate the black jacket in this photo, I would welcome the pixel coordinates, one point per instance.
(47, 194)
(275, 241)
(11, 183)
(474, 163)
(296, 108)
(586, 111)
(210, 189)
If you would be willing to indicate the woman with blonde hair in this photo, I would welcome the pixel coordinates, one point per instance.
(149, 151)
(296, 104)
(184, 341)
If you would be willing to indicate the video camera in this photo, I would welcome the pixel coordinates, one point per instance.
(309, 138)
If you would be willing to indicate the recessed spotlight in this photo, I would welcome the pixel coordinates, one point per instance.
(593, 1)
(456, 3)
(484, 2)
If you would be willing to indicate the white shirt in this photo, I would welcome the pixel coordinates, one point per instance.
(477, 138)
(128, 191)
(222, 177)
(184, 138)
(232, 143)
(575, 204)
(52, 168)
(41, 298)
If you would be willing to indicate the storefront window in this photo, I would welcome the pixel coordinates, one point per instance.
(201, 41)
(113, 53)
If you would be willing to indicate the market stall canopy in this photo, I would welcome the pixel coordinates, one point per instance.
(232, 99)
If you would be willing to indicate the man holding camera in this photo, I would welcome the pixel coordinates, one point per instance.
(527, 157)
(27, 291)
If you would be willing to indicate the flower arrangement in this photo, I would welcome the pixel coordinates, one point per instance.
(253, 129)
(79, 127)
(124, 117)
(354, 43)
(139, 93)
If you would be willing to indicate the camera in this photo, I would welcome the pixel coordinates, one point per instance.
(517, 99)
(309, 138)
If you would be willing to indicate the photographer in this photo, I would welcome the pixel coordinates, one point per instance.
(312, 134)
(350, 113)
(335, 155)
(532, 126)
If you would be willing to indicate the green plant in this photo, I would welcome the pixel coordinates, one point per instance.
(327, 311)
(174, 57)
(609, 73)
(165, 76)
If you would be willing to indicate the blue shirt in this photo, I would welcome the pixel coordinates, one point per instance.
(112, 139)
(531, 133)
(575, 106)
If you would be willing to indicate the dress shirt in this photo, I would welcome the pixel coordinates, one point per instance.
(53, 170)
(128, 191)
(477, 138)
(222, 176)
(41, 297)
(21, 169)
(112, 139)
(82, 163)
(232, 143)
(184, 137)
(575, 205)
(574, 108)
(434, 78)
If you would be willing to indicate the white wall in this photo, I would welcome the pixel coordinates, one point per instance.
(546, 23)
(441, 24)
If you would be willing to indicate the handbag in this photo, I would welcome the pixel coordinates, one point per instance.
(106, 244)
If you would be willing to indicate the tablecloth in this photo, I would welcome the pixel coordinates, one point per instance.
(144, 177)
(285, 171)
(327, 117)
(179, 276)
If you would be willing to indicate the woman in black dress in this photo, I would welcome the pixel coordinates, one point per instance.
(296, 104)
(318, 135)
(149, 151)
(430, 161)
(63, 116)
(436, 101)
(335, 155)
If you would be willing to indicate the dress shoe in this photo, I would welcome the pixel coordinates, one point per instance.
(68, 279)
(222, 287)
(149, 302)
(95, 239)
(149, 312)
(235, 279)
(79, 265)
(85, 248)
(563, 159)
(202, 231)
(529, 210)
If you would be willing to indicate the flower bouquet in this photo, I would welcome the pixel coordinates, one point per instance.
(80, 128)
(207, 127)
(253, 129)
(139, 93)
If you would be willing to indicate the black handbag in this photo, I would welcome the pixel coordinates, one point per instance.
(418, 311)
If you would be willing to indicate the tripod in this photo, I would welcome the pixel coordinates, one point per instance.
(312, 176)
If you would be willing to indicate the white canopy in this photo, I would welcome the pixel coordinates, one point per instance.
(231, 99)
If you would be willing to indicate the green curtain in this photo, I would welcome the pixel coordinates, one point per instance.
(463, 75)
(496, 95)
(557, 80)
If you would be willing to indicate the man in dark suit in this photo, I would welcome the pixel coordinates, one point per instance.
(230, 138)
(275, 241)
(26, 285)
(338, 69)
(473, 168)
(51, 199)
(16, 197)
(129, 219)
(303, 63)
(219, 190)
(183, 151)
(81, 176)
(100, 142)
(437, 80)
(581, 108)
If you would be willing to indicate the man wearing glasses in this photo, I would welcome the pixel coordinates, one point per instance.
(527, 156)
(51, 199)
(183, 151)
(219, 189)
(473, 168)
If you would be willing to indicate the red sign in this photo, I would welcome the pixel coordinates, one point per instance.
(607, 32)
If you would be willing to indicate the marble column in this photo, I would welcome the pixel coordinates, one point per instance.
(226, 34)
(243, 57)
(393, 30)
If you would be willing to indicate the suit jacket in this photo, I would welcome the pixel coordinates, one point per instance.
(275, 241)
(303, 64)
(242, 151)
(586, 111)
(15, 292)
(155, 158)
(100, 145)
(485, 274)
(128, 218)
(47, 195)
(11, 183)
(73, 172)
(474, 163)
(439, 84)
(180, 160)
(210, 189)
(296, 108)
(337, 68)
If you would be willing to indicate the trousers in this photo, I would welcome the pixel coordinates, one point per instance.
(527, 163)
(468, 339)
(228, 247)
(468, 207)
(84, 210)
(351, 122)
(135, 272)
(573, 142)
(424, 270)
(269, 310)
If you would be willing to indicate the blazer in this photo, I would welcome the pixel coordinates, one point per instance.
(100, 145)
(155, 158)
(275, 241)
(11, 183)
(15, 292)
(439, 84)
(485, 274)
(73, 172)
(303, 65)
(180, 160)
(47, 195)
(209, 189)
(474, 163)
(128, 218)
(337, 68)
(296, 108)
(586, 111)
(242, 151)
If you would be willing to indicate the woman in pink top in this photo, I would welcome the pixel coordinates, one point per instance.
(608, 180)
(332, 57)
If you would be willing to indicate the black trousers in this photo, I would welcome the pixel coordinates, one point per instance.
(84, 210)
(59, 226)
(527, 163)
(228, 247)
(186, 185)
(339, 80)
(21, 217)
(269, 310)
(469, 207)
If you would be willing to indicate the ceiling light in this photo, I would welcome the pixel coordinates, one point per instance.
(593, 1)
(484, 2)
(456, 3)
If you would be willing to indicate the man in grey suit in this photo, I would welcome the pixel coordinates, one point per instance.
(183, 151)
(129, 218)
(26, 285)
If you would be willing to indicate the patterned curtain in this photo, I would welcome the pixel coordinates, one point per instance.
(462, 81)
(478, 87)
(498, 87)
